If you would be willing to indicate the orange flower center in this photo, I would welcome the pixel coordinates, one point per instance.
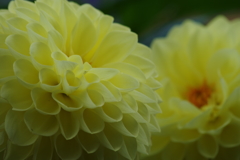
(199, 96)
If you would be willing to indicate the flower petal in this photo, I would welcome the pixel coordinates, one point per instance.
(6, 68)
(110, 138)
(128, 69)
(89, 142)
(36, 32)
(44, 102)
(228, 137)
(41, 124)
(185, 135)
(18, 25)
(207, 146)
(91, 122)
(68, 149)
(177, 148)
(26, 73)
(17, 95)
(128, 126)
(67, 102)
(83, 36)
(14, 151)
(70, 82)
(142, 63)
(69, 124)
(41, 54)
(43, 149)
(17, 130)
(129, 148)
(103, 90)
(114, 48)
(104, 73)
(50, 81)
(124, 82)
(18, 45)
(109, 113)
(4, 107)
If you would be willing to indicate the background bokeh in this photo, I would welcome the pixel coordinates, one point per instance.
(153, 18)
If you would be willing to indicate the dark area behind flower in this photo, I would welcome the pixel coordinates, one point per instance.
(153, 18)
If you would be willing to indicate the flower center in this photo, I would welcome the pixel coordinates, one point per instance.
(199, 96)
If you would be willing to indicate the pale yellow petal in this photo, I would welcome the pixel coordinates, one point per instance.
(142, 63)
(18, 45)
(18, 25)
(185, 135)
(129, 148)
(70, 82)
(124, 82)
(104, 91)
(114, 48)
(207, 146)
(17, 152)
(17, 130)
(41, 124)
(144, 94)
(36, 32)
(128, 69)
(110, 138)
(50, 81)
(227, 64)
(227, 137)
(104, 73)
(41, 54)
(128, 126)
(26, 73)
(89, 142)
(83, 36)
(6, 68)
(68, 18)
(27, 14)
(67, 102)
(26, 4)
(91, 122)
(68, 149)
(69, 124)
(109, 113)
(44, 102)
(17, 95)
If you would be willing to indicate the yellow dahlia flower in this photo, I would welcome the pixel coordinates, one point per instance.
(199, 67)
(74, 85)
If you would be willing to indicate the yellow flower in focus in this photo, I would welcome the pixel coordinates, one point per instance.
(199, 67)
(73, 85)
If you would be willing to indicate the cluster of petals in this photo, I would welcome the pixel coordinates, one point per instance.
(73, 85)
(199, 67)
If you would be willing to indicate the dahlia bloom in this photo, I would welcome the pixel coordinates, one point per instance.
(199, 67)
(73, 85)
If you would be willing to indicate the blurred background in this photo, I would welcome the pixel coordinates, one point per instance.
(154, 18)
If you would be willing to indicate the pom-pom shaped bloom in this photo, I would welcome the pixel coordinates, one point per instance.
(74, 85)
(199, 67)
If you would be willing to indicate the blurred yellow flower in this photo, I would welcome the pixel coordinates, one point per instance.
(74, 85)
(199, 67)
